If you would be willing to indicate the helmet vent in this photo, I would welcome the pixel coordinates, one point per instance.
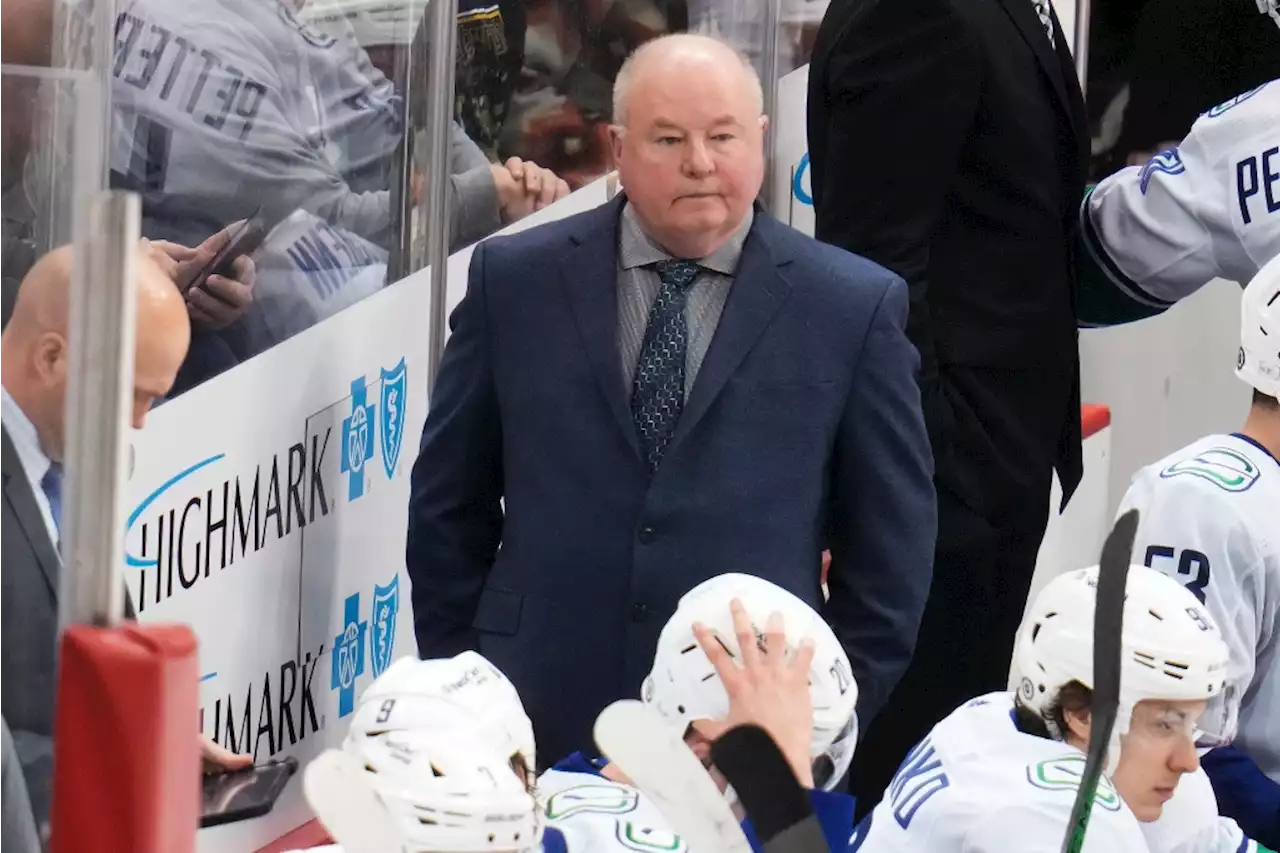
(725, 646)
(1035, 631)
(688, 648)
(435, 771)
(1145, 659)
(1156, 615)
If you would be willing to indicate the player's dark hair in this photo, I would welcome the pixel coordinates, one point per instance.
(1264, 401)
(1074, 697)
(524, 771)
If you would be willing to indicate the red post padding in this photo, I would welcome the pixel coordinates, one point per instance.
(127, 754)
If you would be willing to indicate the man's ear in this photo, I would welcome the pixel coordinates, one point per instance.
(50, 359)
(1079, 724)
(764, 123)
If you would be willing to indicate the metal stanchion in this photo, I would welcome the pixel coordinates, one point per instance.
(439, 129)
(1081, 39)
(126, 763)
(769, 83)
(101, 330)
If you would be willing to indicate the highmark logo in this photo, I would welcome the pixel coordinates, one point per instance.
(187, 527)
(358, 428)
(349, 644)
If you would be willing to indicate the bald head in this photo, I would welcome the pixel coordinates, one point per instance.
(688, 141)
(33, 346)
(684, 53)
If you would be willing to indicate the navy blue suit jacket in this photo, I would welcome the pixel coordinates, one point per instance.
(535, 534)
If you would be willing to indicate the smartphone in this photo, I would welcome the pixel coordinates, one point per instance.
(244, 794)
(245, 240)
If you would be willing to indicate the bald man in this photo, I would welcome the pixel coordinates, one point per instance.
(667, 388)
(33, 372)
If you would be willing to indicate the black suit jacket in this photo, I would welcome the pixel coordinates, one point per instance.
(535, 533)
(948, 142)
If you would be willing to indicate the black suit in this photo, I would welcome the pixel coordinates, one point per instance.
(31, 567)
(948, 142)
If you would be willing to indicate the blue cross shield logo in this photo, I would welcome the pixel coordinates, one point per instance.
(348, 655)
(393, 388)
(382, 639)
(357, 443)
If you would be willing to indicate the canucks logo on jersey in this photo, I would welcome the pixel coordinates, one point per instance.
(1214, 112)
(1169, 162)
(1225, 468)
(1064, 774)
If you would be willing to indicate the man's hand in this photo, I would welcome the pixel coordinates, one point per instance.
(216, 759)
(524, 187)
(220, 300)
(768, 690)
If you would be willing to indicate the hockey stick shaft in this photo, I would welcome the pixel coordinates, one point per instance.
(1108, 627)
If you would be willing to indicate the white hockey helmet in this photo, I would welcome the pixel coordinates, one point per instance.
(1171, 649)
(1258, 362)
(450, 752)
(684, 687)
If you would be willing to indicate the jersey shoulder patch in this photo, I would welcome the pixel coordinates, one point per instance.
(1214, 112)
(1223, 467)
(1064, 773)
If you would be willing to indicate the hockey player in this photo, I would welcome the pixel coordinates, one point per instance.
(736, 650)
(438, 759)
(1209, 208)
(1001, 772)
(1211, 520)
(453, 731)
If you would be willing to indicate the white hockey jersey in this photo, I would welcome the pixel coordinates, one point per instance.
(1208, 209)
(597, 814)
(1210, 517)
(977, 784)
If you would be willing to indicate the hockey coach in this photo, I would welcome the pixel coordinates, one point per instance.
(666, 388)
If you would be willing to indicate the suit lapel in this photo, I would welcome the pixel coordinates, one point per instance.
(758, 292)
(21, 500)
(1024, 16)
(590, 272)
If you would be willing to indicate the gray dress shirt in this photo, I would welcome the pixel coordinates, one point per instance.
(638, 286)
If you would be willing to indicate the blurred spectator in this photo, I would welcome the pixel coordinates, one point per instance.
(249, 108)
(742, 24)
(1190, 55)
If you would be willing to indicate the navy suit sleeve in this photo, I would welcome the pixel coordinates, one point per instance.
(455, 510)
(1245, 793)
(885, 521)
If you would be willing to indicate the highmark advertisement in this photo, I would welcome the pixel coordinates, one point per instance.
(268, 509)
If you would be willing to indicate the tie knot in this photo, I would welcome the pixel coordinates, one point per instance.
(678, 273)
(51, 482)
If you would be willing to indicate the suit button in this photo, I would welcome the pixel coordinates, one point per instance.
(647, 535)
(639, 612)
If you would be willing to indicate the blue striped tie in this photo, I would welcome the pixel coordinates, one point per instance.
(657, 395)
(51, 483)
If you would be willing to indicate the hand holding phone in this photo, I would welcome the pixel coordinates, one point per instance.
(244, 239)
(244, 794)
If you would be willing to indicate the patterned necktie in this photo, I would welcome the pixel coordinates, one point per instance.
(657, 395)
(1044, 13)
(51, 482)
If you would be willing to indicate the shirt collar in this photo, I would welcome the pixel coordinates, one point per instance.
(25, 438)
(638, 249)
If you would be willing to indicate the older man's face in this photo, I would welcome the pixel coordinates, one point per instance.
(690, 155)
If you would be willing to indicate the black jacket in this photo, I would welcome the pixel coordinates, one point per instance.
(948, 142)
